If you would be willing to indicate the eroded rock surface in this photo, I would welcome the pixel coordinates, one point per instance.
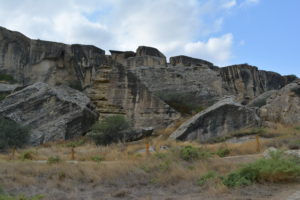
(222, 118)
(51, 113)
(283, 106)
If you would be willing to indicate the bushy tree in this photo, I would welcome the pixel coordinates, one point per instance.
(12, 134)
(109, 130)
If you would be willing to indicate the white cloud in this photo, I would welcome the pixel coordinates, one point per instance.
(170, 25)
(229, 4)
(249, 2)
(217, 49)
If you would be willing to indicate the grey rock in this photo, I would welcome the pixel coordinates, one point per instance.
(220, 119)
(283, 106)
(261, 100)
(188, 61)
(8, 88)
(137, 134)
(267, 153)
(149, 51)
(51, 113)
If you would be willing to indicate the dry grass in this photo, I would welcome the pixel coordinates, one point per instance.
(123, 164)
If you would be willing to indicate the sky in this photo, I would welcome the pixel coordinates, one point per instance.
(263, 33)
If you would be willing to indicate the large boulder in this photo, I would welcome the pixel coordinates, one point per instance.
(52, 114)
(220, 119)
(283, 106)
(188, 61)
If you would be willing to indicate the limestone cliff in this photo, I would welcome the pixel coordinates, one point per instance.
(113, 88)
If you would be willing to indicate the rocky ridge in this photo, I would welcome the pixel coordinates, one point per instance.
(147, 89)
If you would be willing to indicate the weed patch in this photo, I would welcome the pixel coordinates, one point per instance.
(278, 168)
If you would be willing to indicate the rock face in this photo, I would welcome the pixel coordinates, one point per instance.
(188, 61)
(222, 118)
(52, 114)
(147, 56)
(107, 82)
(30, 61)
(283, 106)
(141, 84)
(116, 90)
(205, 84)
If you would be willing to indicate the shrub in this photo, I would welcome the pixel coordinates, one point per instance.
(76, 143)
(190, 153)
(278, 168)
(97, 158)
(109, 130)
(204, 178)
(12, 134)
(7, 78)
(76, 85)
(53, 160)
(222, 152)
(28, 155)
(2, 96)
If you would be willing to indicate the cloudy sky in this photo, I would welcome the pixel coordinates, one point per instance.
(264, 33)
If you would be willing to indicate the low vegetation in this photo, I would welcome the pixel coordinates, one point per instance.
(190, 153)
(109, 130)
(12, 134)
(75, 85)
(7, 78)
(2, 97)
(277, 168)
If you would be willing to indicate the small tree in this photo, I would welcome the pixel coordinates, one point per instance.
(12, 134)
(109, 130)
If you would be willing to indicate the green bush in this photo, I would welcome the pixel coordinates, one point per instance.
(97, 158)
(12, 134)
(278, 168)
(190, 153)
(27, 155)
(222, 152)
(2, 97)
(7, 78)
(109, 130)
(53, 160)
(76, 143)
(76, 85)
(209, 175)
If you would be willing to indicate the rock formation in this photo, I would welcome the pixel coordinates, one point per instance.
(283, 106)
(141, 85)
(52, 113)
(222, 118)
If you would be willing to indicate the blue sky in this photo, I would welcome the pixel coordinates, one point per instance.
(267, 35)
(263, 33)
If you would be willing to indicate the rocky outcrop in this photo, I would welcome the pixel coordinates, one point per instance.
(206, 84)
(188, 61)
(147, 56)
(221, 119)
(105, 79)
(30, 61)
(116, 90)
(6, 88)
(149, 51)
(283, 106)
(261, 100)
(51, 113)
(247, 82)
